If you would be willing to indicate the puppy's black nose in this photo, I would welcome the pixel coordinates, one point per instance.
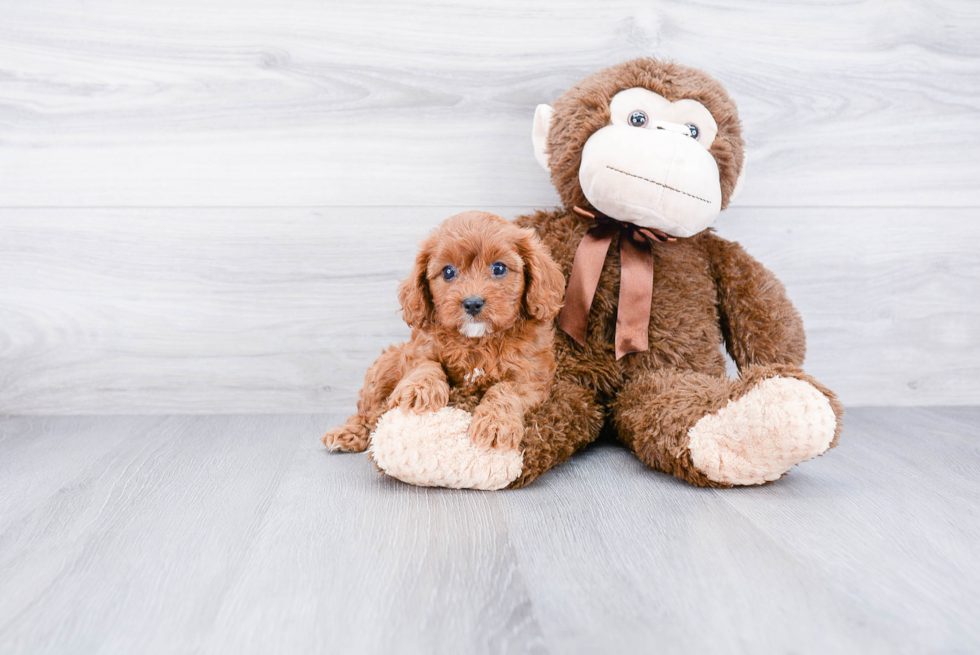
(473, 305)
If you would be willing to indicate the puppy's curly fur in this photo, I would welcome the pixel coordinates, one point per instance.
(501, 357)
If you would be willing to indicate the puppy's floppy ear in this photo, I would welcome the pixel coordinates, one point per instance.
(544, 285)
(413, 293)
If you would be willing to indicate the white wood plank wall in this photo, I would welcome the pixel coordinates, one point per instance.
(205, 206)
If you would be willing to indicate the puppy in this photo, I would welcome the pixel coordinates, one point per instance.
(481, 302)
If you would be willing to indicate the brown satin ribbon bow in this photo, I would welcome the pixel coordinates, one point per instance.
(635, 281)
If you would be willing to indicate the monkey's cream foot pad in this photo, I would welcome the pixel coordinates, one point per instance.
(433, 449)
(757, 438)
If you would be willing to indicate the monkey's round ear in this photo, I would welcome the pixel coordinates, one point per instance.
(539, 134)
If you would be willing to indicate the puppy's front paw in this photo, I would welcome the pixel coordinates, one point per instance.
(418, 398)
(496, 429)
(346, 439)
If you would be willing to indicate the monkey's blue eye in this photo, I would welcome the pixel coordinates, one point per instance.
(694, 131)
(638, 119)
(449, 274)
(499, 269)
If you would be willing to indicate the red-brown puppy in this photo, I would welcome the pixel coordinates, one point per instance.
(481, 301)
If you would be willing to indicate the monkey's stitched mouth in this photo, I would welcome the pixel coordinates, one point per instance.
(669, 188)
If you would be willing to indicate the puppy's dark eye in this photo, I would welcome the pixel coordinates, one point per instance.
(695, 132)
(499, 269)
(449, 274)
(638, 118)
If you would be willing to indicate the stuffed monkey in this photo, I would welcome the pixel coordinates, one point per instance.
(644, 155)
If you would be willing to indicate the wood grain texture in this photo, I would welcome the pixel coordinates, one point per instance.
(266, 310)
(240, 534)
(301, 103)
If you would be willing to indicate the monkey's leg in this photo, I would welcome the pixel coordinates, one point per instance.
(715, 432)
(567, 421)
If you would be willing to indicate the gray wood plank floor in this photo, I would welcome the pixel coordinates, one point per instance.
(239, 534)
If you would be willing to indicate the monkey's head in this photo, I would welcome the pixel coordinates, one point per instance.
(648, 142)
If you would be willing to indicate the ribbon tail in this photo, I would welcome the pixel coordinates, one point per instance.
(582, 283)
(635, 296)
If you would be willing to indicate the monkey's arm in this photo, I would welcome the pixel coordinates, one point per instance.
(758, 321)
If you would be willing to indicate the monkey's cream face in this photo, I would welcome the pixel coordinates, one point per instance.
(651, 166)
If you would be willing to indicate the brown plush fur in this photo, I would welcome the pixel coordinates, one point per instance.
(706, 291)
(500, 375)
